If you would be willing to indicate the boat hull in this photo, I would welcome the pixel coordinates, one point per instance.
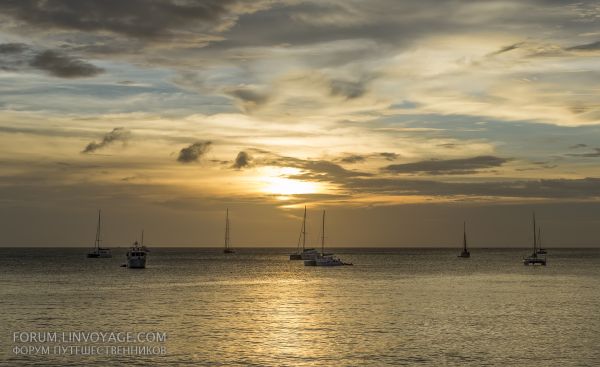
(330, 263)
(465, 255)
(325, 261)
(136, 263)
(534, 262)
(308, 254)
(101, 254)
(227, 251)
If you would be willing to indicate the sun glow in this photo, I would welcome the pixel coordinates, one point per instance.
(275, 182)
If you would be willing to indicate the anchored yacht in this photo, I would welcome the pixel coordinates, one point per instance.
(534, 259)
(137, 255)
(465, 252)
(325, 259)
(304, 253)
(227, 249)
(99, 252)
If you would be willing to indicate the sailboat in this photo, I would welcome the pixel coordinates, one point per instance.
(533, 259)
(325, 259)
(306, 253)
(465, 252)
(227, 249)
(137, 255)
(540, 250)
(99, 252)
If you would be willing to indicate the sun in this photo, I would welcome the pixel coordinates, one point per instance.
(275, 183)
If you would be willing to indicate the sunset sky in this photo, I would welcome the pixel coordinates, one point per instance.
(400, 118)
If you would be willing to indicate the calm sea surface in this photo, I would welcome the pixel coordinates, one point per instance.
(393, 307)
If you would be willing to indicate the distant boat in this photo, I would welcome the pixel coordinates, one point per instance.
(533, 259)
(227, 249)
(465, 252)
(325, 259)
(137, 255)
(540, 250)
(306, 253)
(99, 252)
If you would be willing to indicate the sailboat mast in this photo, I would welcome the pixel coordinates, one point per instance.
(304, 230)
(534, 234)
(323, 235)
(142, 237)
(97, 242)
(227, 229)
(465, 236)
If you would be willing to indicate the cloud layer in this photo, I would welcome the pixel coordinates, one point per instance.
(20, 57)
(324, 103)
(460, 166)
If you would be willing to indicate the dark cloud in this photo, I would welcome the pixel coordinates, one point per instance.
(64, 66)
(242, 160)
(354, 158)
(506, 49)
(389, 23)
(22, 57)
(353, 183)
(577, 146)
(117, 134)
(12, 48)
(249, 98)
(320, 170)
(550, 189)
(594, 46)
(193, 152)
(14, 56)
(388, 156)
(136, 18)
(587, 155)
(448, 145)
(448, 166)
(347, 89)
(538, 166)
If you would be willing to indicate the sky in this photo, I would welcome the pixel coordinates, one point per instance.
(401, 119)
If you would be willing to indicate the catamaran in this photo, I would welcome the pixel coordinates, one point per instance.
(465, 252)
(99, 252)
(306, 253)
(137, 255)
(325, 259)
(227, 249)
(533, 259)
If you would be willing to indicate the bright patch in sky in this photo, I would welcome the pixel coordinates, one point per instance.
(274, 183)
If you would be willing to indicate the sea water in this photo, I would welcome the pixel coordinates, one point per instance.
(413, 307)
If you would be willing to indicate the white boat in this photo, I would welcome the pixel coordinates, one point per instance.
(305, 253)
(137, 255)
(465, 252)
(227, 249)
(99, 252)
(534, 259)
(325, 259)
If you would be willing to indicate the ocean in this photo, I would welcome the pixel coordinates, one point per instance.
(394, 307)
